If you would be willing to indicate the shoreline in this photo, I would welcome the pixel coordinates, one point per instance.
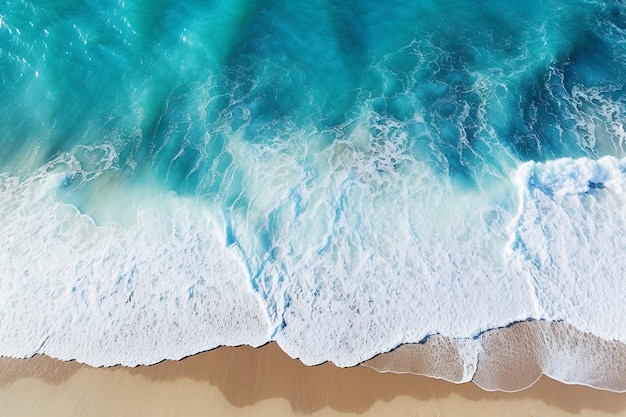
(514, 357)
(265, 381)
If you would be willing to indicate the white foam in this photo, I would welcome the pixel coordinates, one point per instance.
(166, 287)
(567, 176)
(366, 250)
(570, 236)
(375, 251)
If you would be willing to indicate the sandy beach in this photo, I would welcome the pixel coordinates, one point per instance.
(245, 381)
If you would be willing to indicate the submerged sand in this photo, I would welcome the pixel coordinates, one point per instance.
(246, 381)
(514, 357)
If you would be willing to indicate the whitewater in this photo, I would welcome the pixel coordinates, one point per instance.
(340, 179)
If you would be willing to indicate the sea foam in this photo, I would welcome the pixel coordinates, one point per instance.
(109, 294)
(171, 284)
(568, 234)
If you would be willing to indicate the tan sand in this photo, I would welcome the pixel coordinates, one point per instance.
(244, 381)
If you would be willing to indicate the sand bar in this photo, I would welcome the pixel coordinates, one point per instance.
(244, 381)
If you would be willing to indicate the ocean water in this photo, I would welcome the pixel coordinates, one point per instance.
(342, 178)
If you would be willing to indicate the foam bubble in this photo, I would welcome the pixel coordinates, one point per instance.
(566, 176)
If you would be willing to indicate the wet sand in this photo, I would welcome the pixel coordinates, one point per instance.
(513, 358)
(244, 381)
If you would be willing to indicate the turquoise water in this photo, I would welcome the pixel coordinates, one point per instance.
(347, 156)
(484, 85)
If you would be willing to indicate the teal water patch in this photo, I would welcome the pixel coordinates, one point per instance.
(163, 82)
(471, 90)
